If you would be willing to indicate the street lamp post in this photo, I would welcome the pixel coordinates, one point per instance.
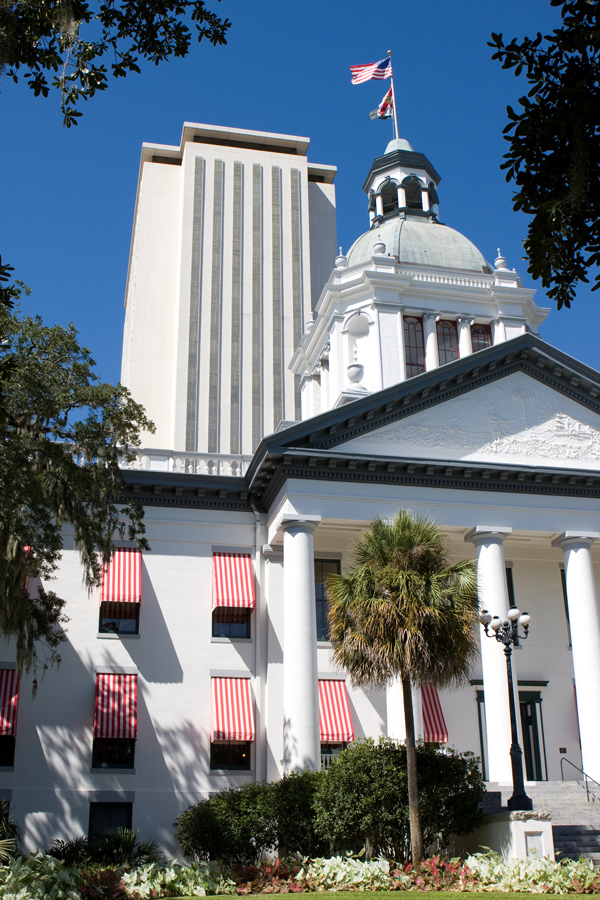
(507, 633)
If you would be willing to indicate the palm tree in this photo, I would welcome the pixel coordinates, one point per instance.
(405, 611)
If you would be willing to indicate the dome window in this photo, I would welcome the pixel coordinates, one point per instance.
(481, 337)
(447, 342)
(414, 348)
(413, 187)
(389, 196)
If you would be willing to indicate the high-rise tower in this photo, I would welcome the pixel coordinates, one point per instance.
(233, 238)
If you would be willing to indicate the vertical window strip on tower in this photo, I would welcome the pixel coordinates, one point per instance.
(296, 278)
(9, 701)
(434, 724)
(235, 426)
(122, 579)
(335, 721)
(115, 713)
(216, 300)
(277, 297)
(232, 710)
(233, 580)
(447, 342)
(257, 313)
(191, 424)
(414, 347)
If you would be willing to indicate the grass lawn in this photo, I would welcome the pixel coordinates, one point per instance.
(385, 895)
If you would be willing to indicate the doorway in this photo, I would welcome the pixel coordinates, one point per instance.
(532, 728)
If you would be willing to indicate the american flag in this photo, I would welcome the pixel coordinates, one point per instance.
(377, 70)
(384, 110)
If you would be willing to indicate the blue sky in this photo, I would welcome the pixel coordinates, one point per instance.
(68, 195)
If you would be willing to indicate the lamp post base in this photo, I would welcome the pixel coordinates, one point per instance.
(520, 801)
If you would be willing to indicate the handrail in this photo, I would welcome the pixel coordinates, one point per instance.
(586, 777)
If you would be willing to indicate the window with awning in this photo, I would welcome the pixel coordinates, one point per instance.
(9, 699)
(434, 724)
(232, 710)
(335, 720)
(116, 707)
(122, 581)
(233, 580)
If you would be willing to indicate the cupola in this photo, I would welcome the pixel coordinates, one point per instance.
(401, 182)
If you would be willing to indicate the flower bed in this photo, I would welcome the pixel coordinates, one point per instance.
(40, 877)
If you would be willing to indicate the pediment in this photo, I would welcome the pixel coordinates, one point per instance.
(516, 420)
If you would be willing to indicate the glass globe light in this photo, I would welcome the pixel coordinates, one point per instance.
(513, 613)
(496, 623)
(485, 617)
(525, 619)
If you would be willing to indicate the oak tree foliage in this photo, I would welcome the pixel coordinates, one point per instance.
(554, 156)
(68, 41)
(63, 434)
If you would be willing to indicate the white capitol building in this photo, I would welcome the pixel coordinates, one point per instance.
(297, 395)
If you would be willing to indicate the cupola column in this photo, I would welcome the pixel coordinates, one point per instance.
(465, 345)
(425, 199)
(584, 623)
(432, 356)
(378, 204)
(401, 197)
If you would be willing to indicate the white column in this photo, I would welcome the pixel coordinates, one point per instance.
(493, 596)
(395, 711)
(584, 620)
(379, 204)
(498, 331)
(432, 356)
(465, 346)
(301, 735)
(401, 197)
(425, 199)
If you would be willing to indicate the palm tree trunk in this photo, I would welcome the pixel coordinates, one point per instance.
(416, 837)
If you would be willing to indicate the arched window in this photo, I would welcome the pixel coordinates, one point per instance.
(414, 351)
(389, 196)
(447, 342)
(413, 185)
(481, 337)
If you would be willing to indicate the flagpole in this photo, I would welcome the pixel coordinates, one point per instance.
(394, 98)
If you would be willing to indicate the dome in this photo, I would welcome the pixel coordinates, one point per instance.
(420, 242)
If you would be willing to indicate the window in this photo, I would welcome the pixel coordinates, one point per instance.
(323, 568)
(389, 196)
(232, 755)
(329, 752)
(231, 622)
(481, 337)
(113, 753)
(7, 750)
(510, 586)
(447, 342)
(563, 581)
(105, 818)
(414, 348)
(413, 186)
(119, 618)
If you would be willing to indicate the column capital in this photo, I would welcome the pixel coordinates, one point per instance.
(464, 320)
(430, 315)
(486, 532)
(286, 520)
(575, 537)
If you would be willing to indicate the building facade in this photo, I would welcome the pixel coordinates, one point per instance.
(417, 382)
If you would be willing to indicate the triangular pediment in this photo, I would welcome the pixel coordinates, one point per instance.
(516, 420)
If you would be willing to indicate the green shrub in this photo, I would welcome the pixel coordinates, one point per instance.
(363, 800)
(295, 814)
(121, 848)
(235, 825)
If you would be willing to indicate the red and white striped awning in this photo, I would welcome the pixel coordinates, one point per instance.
(335, 720)
(122, 581)
(233, 580)
(9, 699)
(434, 724)
(232, 710)
(116, 706)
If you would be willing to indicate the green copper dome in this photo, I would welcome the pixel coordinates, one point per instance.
(421, 242)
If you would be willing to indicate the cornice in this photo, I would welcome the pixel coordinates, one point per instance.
(174, 489)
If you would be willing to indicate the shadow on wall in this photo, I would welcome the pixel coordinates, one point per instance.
(154, 655)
